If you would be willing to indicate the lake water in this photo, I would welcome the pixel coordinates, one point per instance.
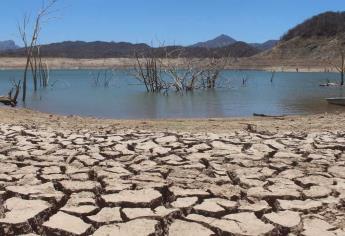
(73, 93)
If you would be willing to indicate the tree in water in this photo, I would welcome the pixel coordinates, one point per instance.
(31, 46)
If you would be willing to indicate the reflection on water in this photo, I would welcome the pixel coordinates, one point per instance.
(72, 92)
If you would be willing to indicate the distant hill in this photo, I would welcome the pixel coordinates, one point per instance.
(266, 45)
(218, 42)
(7, 45)
(317, 40)
(240, 49)
(328, 24)
(225, 40)
(98, 49)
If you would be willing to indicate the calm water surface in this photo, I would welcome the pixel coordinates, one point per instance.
(72, 92)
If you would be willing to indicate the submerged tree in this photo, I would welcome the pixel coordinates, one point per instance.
(148, 70)
(102, 78)
(183, 73)
(341, 66)
(273, 73)
(211, 71)
(338, 63)
(39, 69)
(171, 70)
(32, 52)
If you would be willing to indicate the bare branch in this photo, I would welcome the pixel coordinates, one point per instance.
(32, 50)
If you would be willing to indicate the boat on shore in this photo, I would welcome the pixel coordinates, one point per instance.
(336, 101)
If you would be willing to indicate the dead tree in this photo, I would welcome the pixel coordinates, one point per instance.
(148, 70)
(211, 71)
(192, 74)
(30, 43)
(43, 69)
(244, 80)
(11, 98)
(182, 75)
(102, 78)
(39, 69)
(341, 66)
(273, 73)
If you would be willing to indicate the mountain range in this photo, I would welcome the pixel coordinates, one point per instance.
(221, 46)
(225, 40)
(218, 42)
(98, 49)
(315, 40)
(7, 45)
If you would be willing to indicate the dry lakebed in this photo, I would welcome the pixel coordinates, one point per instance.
(112, 180)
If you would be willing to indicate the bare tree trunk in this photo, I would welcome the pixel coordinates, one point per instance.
(25, 77)
(342, 68)
(11, 100)
(33, 65)
(36, 55)
(31, 43)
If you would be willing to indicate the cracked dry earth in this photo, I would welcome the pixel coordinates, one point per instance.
(131, 182)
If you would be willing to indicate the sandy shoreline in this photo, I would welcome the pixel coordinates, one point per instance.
(122, 63)
(302, 123)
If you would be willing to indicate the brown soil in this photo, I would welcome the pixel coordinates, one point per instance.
(254, 63)
(308, 123)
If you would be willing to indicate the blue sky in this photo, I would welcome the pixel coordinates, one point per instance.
(172, 22)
